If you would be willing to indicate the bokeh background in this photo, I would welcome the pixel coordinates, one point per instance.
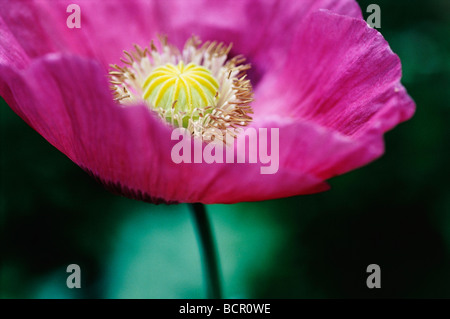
(394, 212)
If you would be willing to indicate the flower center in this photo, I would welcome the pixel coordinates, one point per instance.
(182, 87)
(197, 88)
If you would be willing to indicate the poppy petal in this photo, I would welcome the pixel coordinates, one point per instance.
(66, 99)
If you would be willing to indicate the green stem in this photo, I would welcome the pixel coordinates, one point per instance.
(208, 249)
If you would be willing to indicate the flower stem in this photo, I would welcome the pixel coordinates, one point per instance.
(208, 250)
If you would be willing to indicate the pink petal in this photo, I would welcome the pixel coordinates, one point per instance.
(342, 75)
(342, 88)
(318, 151)
(11, 53)
(109, 27)
(262, 30)
(66, 99)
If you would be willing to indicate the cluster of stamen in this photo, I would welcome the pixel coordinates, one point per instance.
(198, 88)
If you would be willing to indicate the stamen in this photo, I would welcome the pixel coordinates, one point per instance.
(197, 88)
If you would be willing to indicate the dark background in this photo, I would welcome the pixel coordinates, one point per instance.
(394, 212)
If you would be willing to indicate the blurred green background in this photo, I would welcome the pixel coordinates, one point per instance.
(394, 212)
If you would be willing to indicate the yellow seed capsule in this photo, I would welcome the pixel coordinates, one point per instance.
(181, 87)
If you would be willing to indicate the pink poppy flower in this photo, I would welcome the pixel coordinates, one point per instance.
(319, 73)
